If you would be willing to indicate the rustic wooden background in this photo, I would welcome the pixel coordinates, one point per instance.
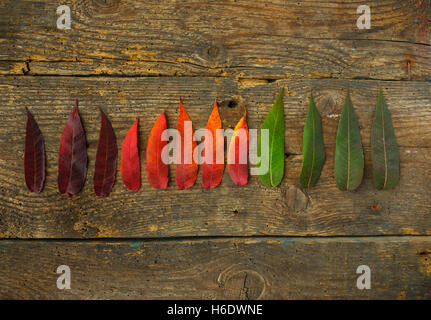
(134, 59)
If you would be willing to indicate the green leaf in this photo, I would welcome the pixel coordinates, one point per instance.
(349, 156)
(384, 148)
(274, 122)
(313, 150)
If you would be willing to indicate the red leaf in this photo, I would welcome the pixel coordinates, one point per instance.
(34, 156)
(237, 158)
(105, 168)
(72, 161)
(186, 169)
(157, 171)
(212, 172)
(130, 163)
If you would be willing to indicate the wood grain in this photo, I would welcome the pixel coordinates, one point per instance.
(244, 39)
(135, 58)
(277, 268)
(225, 210)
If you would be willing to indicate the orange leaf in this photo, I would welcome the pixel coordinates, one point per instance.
(237, 158)
(157, 171)
(186, 169)
(213, 163)
(130, 163)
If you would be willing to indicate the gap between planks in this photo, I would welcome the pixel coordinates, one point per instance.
(353, 238)
(141, 76)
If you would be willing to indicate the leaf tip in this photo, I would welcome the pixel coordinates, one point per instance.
(281, 94)
(136, 122)
(311, 98)
(75, 107)
(103, 115)
(348, 99)
(181, 105)
(29, 114)
(380, 92)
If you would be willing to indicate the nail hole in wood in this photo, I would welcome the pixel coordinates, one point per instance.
(232, 104)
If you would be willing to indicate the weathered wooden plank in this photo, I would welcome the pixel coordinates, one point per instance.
(226, 210)
(276, 268)
(258, 39)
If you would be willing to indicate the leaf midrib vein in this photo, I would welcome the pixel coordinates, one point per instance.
(71, 160)
(384, 148)
(272, 145)
(314, 150)
(105, 160)
(34, 157)
(348, 148)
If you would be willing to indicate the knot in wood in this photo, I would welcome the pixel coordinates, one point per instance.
(213, 51)
(295, 199)
(241, 283)
(106, 6)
